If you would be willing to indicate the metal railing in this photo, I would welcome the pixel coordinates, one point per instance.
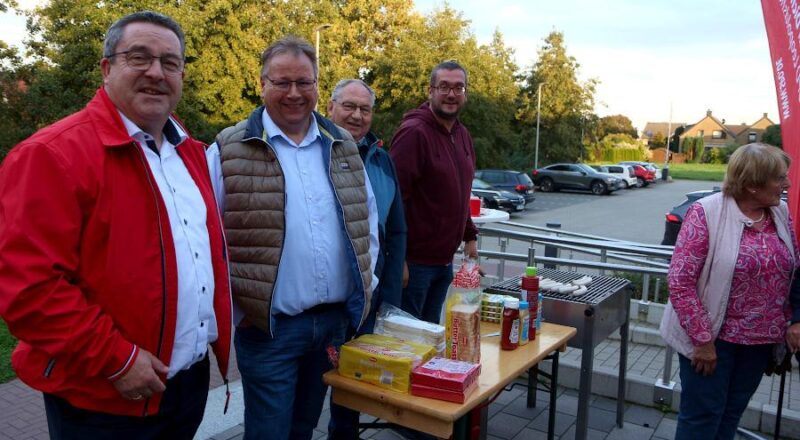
(647, 260)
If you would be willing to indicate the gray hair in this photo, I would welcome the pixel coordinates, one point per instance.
(337, 91)
(289, 44)
(447, 65)
(114, 33)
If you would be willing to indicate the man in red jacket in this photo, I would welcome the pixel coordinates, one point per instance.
(435, 163)
(113, 271)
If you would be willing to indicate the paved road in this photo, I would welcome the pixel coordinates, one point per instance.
(635, 214)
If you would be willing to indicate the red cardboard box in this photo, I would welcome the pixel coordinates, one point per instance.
(446, 374)
(442, 394)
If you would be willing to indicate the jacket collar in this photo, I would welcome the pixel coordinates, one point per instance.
(425, 113)
(171, 131)
(111, 129)
(254, 128)
(368, 144)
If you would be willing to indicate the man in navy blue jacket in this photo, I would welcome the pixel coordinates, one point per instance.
(351, 107)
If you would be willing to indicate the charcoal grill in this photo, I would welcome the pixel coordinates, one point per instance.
(596, 314)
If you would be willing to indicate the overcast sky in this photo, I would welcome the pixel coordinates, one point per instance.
(695, 54)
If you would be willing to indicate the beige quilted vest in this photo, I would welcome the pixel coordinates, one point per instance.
(254, 214)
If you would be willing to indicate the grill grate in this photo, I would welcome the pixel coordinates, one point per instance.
(600, 288)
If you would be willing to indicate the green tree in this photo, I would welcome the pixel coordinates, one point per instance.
(12, 91)
(401, 82)
(772, 136)
(5, 5)
(616, 124)
(565, 101)
(658, 140)
(699, 149)
(384, 42)
(675, 140)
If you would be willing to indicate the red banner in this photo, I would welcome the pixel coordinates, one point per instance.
(782, 19)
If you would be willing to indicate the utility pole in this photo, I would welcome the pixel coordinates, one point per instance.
(317, 30)
(665, 171)
(538, 117)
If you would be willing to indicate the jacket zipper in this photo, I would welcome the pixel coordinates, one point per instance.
(350, 240)
(163, 266)
(283, 240)
(49, 369)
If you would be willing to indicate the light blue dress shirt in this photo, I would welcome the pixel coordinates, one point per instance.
(315, 262)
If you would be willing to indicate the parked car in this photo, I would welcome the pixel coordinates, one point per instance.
(574, 176)
(509, 180)
(647, 174)
(655, 168)
(624, 173)
(674, 218)
(497, 198)
(643, 175)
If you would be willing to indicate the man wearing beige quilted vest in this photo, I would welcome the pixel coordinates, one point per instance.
(301, 225)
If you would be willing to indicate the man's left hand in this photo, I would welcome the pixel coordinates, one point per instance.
(471, 249)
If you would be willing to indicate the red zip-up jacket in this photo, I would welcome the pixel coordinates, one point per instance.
(88, 274)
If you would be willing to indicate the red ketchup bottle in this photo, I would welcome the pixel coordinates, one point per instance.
(509, 336)
(530, 284)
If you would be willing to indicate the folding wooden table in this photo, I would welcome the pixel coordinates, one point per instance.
(445, 419)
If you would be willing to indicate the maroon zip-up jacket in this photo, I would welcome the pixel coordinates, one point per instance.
(435, 170)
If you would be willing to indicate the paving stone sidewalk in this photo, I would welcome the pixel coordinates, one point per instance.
(510, 419)
(22, 414)
(22, 409)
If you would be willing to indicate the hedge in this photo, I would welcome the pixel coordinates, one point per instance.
(615, 155)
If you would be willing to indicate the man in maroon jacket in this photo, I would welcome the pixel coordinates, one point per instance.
(435, 163)
(113, 271)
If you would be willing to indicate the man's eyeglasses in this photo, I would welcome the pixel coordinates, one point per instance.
(352, 107)
(303, 85)
(444, 89)
(141, 61)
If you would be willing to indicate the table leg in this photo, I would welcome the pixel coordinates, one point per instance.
(623, 367)
(551, 417)
(533, 378)
(479, 423)
(461, 428)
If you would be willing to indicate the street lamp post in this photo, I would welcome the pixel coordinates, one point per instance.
(538, 117)
(665, 171)
(317, 30)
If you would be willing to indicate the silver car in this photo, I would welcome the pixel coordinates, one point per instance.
(574, 176)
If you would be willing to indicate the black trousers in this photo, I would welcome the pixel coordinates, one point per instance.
(181, 412)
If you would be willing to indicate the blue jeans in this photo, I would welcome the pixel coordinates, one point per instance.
(282, 375)
(426, 290)
(711, 406)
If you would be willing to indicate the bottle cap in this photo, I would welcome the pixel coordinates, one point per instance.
(531, 271)
(523, 304)
(511, 303)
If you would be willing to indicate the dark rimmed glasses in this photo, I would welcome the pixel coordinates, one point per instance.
(141, 61)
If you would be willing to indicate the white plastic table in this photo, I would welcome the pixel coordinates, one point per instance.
(490, 216)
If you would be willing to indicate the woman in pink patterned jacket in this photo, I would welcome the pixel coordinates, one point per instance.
(729, 283)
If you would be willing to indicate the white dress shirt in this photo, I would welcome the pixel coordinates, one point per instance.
(196, 325)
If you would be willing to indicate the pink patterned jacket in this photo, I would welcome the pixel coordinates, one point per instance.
(729, 280)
